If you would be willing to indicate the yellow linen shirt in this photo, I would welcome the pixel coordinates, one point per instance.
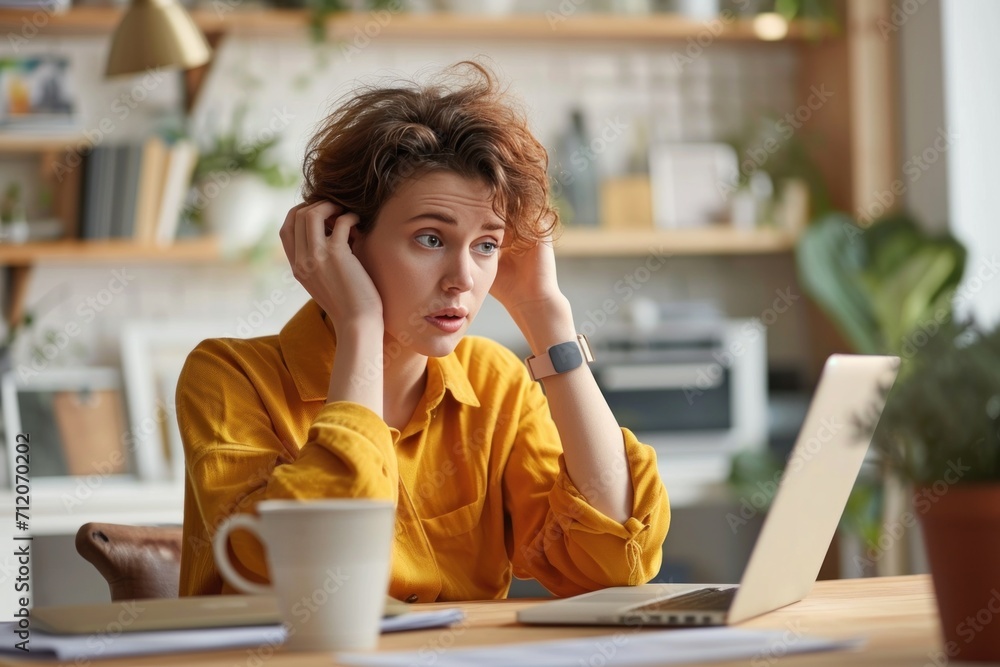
(477, 475)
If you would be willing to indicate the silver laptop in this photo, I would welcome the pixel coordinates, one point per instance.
(798, 529)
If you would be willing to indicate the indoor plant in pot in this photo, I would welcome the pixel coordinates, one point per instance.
(239, 187)
(940, 431)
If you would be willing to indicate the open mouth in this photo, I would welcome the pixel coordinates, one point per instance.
(447, 323)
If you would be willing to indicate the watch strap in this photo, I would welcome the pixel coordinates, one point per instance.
(560, 358)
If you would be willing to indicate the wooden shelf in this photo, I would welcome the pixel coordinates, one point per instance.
(39, 142)
(26, 254)
(83, 20)
(707, 241)
(571, 243)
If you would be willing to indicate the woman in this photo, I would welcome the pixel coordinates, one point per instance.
(418, 202)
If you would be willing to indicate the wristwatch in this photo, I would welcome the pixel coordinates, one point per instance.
(560, 358)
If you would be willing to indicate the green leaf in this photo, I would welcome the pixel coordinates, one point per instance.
(881, 283)
(830, 258)
(903, 301)
(787, 8)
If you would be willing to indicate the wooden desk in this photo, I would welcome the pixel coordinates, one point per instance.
(897, 614)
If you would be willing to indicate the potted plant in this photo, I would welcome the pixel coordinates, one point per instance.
(940, 432)
(238, 187)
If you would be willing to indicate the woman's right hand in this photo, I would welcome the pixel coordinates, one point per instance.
(326, 266)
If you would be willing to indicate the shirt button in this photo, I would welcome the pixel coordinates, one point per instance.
(412, 598)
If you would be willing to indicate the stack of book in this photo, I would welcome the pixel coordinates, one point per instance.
(136, 190)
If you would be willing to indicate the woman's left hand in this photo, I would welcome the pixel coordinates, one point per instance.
(526, 279)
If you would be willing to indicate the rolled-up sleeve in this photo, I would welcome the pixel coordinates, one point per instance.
(556, 536)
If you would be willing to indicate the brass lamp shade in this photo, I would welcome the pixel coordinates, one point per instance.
(156, 33)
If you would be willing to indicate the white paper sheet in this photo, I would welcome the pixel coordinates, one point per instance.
(420, 620)
(109, 645)
(42, 645)
(624, 649)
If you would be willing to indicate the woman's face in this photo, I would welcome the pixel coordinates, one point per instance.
(432, 255)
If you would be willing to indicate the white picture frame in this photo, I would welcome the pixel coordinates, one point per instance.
(35, 405)
(153, 353)
(689, 183)
(46, 99)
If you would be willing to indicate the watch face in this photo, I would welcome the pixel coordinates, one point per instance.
(565, 356)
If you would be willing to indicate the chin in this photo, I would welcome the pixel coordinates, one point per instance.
(442, 347)
(426, 343)
(434, 343)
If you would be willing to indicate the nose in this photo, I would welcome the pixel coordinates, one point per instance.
(458, 275)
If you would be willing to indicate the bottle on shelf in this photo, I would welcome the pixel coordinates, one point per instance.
(575, 181)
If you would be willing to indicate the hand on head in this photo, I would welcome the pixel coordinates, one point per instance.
(315, 238)
(527, 276)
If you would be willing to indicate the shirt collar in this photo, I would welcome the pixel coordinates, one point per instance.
(308, 345)
(448, 373)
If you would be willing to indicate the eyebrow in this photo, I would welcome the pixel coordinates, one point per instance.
(448, 220)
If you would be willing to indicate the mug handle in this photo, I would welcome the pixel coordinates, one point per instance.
(221, 553)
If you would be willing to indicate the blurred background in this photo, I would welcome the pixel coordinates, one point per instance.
(743, 185)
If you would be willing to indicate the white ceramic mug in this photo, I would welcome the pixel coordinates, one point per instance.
(328, 562)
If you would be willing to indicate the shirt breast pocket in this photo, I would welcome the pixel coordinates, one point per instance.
(456, 522)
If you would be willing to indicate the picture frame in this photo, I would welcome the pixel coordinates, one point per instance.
(688, 183)
(153, 353)
(35, 93)
(75, 419)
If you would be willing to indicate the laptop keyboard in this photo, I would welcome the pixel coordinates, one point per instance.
(710, 599)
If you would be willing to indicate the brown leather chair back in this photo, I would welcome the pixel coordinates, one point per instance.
(138, 562)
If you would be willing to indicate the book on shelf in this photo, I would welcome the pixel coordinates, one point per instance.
(128, 159)
(183, 156)
(98, 182)
(136, 190)
(108, 192)
(88, 196)
(153, 166)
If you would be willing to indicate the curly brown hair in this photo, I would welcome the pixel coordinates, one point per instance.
(464, 123)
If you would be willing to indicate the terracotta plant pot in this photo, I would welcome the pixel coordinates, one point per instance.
(962, 536)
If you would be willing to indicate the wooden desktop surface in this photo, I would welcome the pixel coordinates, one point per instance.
(896, 614)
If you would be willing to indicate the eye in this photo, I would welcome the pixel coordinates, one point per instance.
(487, 247)
(431, 241)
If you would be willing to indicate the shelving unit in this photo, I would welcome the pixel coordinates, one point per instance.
(857, 160)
